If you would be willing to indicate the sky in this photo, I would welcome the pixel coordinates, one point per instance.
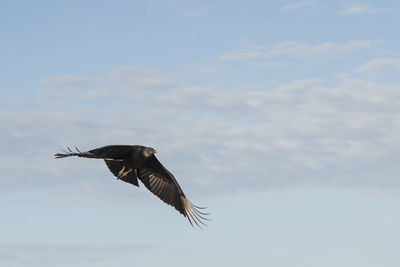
(281, 117)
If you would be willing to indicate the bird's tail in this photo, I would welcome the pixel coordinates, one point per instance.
(70, 153)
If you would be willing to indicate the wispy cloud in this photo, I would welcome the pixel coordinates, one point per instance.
(379, 64)
(116, 81)
(73, 80)
(298, 5)
(297, 50)
(181, 7)
(359, 9)
(244, 40)
(186, 11)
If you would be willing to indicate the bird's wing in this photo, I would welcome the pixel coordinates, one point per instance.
(164, 185)
(121, 171)
(105, 152)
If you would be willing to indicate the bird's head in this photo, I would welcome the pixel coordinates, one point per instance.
(149, 151)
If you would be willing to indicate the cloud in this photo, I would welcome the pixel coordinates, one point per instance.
(380, 64)
(182, 7)
(217, 138)
(298, 50)
(54, 254)
(360, 9)
(119, 77)
(73, 80)
(244, 40)
(297, 5)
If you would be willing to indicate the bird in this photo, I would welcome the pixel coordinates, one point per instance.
(132, 162)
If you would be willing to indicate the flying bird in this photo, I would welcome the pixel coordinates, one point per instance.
(132, 162)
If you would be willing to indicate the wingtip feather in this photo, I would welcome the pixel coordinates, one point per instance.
(192, 213)
(66, 153)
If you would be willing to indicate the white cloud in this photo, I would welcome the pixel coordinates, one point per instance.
(141, 77)
(216, 136)
(182, 7)
(219, 137)
(359, 9)
(244, 40)
(380, 64)
(298, 50)
(73, 80)
(297, 5)
(113, 82)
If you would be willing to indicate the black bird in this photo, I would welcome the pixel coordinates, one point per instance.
(129, 163)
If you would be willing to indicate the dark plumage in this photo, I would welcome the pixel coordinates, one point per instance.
(129, 163)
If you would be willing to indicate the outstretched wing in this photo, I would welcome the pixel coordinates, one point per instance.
(121, 171)
(164, 185)
(105, 152)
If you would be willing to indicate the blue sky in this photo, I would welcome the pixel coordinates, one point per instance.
(282, 117)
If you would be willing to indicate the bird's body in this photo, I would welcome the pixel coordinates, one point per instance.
(132, 162)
